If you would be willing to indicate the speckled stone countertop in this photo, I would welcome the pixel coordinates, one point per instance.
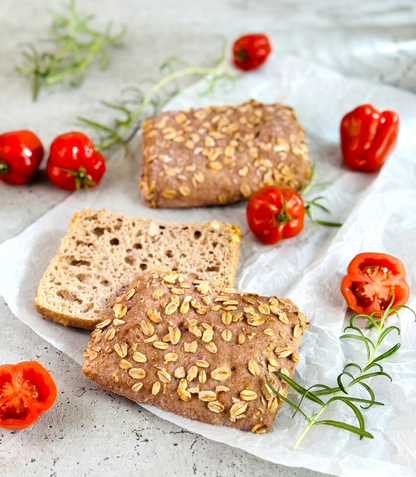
(90, 431)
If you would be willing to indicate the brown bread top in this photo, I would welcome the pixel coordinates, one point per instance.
(220, 155)
(103, 252)
(198, 349)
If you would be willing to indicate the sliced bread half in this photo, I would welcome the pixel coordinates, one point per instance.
(102, 252)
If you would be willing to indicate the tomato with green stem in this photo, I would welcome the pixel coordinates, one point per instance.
(74, 163)
(21, 153)
(274, 214)
(251, 51)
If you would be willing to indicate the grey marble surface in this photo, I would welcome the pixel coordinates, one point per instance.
(89, 431)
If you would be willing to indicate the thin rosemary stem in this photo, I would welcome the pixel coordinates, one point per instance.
(311, 182)
(311, 423)
(36, 87)
(60, 55)
(379, 330)
(168, 79)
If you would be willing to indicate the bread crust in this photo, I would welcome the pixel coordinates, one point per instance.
(52, 306)
(169, 331)
(221, 155)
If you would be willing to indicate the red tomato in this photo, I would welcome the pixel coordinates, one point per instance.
(251, 51)
(274, 214)
(370, 281)
(26, 391)
(73, 162)
(21, 153)
(368, 137)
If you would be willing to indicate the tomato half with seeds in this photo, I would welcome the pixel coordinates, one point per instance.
(26, 391)
(274, 214)
(371, 280)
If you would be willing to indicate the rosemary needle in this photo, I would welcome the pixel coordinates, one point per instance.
(315, 202)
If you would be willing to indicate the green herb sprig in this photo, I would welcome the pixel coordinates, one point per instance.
(341, 392)
(77, 44)
(316, 201)
(140, 105)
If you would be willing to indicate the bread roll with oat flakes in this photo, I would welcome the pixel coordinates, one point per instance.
(198, 349)
(220, 155)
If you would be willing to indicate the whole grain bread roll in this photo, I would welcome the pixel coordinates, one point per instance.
(198, 349)
(220, 155)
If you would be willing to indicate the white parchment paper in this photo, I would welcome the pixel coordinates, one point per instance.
(379, 214)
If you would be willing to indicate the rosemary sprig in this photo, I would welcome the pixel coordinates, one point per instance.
(340, 393)
(315, 202)
(140, 105)
(77, 44)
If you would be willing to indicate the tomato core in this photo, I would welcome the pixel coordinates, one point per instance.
(372, 281)
(366, 292)
(15, 406)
